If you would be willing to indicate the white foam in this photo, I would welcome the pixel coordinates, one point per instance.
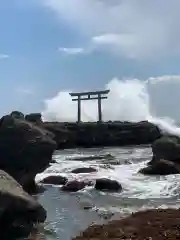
(154, 99)
(134, 185)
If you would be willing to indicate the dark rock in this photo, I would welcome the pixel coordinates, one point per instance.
(25, 149)
(55, 180)
(105, 184)
(53, 161)
(167, 147)
(69, 135)
(74, 186)
(161, 167)
(84, 170)
(17, 114)
(106, 157)
(18, 210)
(34, 118)
(152, 161)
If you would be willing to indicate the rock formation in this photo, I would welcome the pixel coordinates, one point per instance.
(18, 210)
(166, 157)
(156, 224)
(69, 135)
(104, 184)
(25, 149)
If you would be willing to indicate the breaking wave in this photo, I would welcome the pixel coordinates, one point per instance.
(154, 99)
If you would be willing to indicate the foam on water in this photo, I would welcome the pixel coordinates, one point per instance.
(66, 213)
(134, 185)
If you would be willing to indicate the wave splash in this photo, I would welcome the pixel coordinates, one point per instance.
(154, 99)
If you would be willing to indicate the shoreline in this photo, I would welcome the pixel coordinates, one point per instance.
(103, 134)
(154, 224)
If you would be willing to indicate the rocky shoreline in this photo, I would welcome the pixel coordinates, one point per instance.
(156, 224)
(92, 134)
(26, 148)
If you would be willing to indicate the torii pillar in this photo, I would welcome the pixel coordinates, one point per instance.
(97, 95)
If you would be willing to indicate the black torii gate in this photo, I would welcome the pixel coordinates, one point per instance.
(97, 95)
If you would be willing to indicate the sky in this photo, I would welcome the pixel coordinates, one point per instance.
(48, 46)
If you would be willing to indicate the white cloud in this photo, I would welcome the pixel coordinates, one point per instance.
(71, 51)
(4, 56)
(132, 28)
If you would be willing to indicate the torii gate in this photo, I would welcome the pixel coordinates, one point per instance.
(81, 96)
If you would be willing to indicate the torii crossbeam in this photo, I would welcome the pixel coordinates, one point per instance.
(97, 95)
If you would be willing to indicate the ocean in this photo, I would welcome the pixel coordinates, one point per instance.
(129, 100)
(70, 213)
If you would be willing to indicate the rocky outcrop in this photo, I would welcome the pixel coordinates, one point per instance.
(84, 170)
(166, 157)
(161, 167)
(34, 118)
(17, 114)
(54, 180)
(105, 184)
(167, 147)
(68, 135)
(75, 185)
(155, 224)
(18, 210)
(25, 149)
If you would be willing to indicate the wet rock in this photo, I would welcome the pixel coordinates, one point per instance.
(155, 224)
(53, 161)
(107, 166)
(93, 157)
(17, 114)
(90, 134)
(150, 163)
(54, 180)
(127, 162)
(84, 170)
(34, 118)
(167, 147)
(25, 150)
(74, 186)
(18, 210)
(161, 167)
(105, 184)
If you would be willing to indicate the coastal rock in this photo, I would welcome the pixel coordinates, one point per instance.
(34, 118)
(167, 147)
(106, 157)
(18, 210)
(161, 167)
(54, 180)
(25, 150)
(105, 184)
(89, 134)
(74, 186)
(84, 170)
(159, 224)
(17, 114)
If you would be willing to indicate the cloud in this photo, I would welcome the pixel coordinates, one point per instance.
(4, 56)
(72, 51)
(130, 28)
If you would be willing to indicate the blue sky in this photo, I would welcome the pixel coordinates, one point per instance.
(51, 45)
